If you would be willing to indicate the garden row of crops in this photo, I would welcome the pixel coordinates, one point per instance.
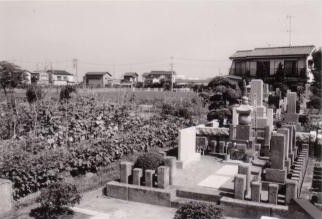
(76, 137)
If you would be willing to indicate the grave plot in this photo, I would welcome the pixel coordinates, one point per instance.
(252, 163)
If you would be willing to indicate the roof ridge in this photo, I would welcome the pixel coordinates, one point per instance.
(283, 47)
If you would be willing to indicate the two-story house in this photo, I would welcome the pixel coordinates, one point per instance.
(60, 77)
(264, 63)
(130, 79)
(158, 78)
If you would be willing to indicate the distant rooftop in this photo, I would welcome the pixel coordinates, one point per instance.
(273, 51)
(98, 73)
(159, 73)
(133, 74)
(59, 72)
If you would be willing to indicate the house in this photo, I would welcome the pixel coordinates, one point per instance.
(60, 77)
(41, 77)
(264, 63)
(158, 78)
(97, 79)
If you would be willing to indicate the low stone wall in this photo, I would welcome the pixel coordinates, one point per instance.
(141, 194)
(6, 203)
(252, 210)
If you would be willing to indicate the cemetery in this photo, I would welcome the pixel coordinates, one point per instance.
(255, 168)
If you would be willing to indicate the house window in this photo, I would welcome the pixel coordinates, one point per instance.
(65, 78)
(240, 68)
(262, 69)
(59, 78)
(290, 68)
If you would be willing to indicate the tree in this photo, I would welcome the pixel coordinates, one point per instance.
(225, 94)
(34, 94)
(11, 76)
(280, 74)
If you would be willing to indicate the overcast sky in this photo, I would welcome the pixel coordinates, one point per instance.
(142, 36)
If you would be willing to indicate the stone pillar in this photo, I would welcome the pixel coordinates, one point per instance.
(137, 175)
(171, 163)
(125, 171)
(291, 190)
(272, 193)
(148, 176)
(235, 117)
(256, 188)
(288, 164)
(163, 177)
(277, 151)
(245, 170)
(240, 186)
(270, 117)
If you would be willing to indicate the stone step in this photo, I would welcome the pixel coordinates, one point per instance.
(199, 193)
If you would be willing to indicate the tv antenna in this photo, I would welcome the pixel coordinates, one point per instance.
(289, 29)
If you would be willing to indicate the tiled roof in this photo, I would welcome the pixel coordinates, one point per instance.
(59, 72)
(273, 51)
(98, 73)
(133, 74)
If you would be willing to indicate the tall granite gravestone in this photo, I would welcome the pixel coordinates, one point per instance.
(256, 92)
(277, 172)
(291, 116)
(6, 203)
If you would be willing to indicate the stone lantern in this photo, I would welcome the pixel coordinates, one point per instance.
(244, 111)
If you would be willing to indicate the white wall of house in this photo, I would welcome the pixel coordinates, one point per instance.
(62, 79)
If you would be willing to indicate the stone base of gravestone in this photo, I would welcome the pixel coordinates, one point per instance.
(148, 177)
(256, 189)
(265, 150)
(275, 175)
(137, 176)
(272, 193)
(125, 171)
(163, 177)
(237, 154)
(243, 132)
(240, 186)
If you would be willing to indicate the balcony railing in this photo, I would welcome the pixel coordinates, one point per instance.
(288, 73)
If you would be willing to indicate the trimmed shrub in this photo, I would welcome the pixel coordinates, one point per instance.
(33, 94)
(56, 197)
(199, 210)
(66, 91)
(149, 160)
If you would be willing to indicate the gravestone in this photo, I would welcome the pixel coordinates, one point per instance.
(221, 146)
(235, 116)
(285, 132)
(125, 171)
(245, 170)
(291, 102)
(163, 177)
(270, 117)
(243, 132)
(272, 193)
(240, 186)
(275, 175)
(256, 92)
(137, 175)
(171, 163)
(256, 188)
(291, 191)
(7, 202)
(148, 176)
(277, 151)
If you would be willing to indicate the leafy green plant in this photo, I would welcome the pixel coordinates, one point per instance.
(149, 160)
(199, 210)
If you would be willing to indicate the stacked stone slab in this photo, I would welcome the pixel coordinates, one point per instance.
(125, 171)
(256, 189)
(240, 186)
(285, 132)
(171, 163)
(244, 169)
(277, 172)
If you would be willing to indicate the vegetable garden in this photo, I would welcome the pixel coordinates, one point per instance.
(53, 139)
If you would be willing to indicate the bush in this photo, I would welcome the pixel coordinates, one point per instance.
(178, 110)
(315, 102)
(33, 94)
(66, 91)
(199, 210)
(149, 160)
(56, 197)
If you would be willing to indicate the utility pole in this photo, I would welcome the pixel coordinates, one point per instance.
(171, 69)
(289, 29)
(75, 66)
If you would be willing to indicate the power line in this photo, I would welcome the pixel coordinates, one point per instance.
(290, 29)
